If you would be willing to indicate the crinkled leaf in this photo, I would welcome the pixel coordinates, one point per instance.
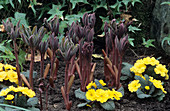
(142, 95)
(82, 104)
(32, 101)
(157, 92)
(109, 105)
(34, 109)
(98, 84)
(80, 94)
(152, 89)
(141, 80)
(121, 89)
(160, 98)
(126, 69)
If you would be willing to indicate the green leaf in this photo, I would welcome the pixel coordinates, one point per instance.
(160, 98)
(142, 81)
(167, 3)
(121, 89)
(134, 1)
(32, 101)
(73, 18)
(131, 41)
(124, 78)
(126, 69)
(133, 29)
(27, 74)
(55, 11)
(157, 92)
(10, 1)
(117, 5)
(142, 95)
(148, 43)
(125, 2)
(15, 107)
(34, 109)
(109, 105)
(1, 7)
(80, 94)
(1, 109)
(152, 89)
(19, 1)
(82, 104)
(165, 39)
(21, 101)
(98, 84)
(21, 58)
(74, 2)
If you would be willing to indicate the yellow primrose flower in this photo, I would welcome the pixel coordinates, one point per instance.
(9, 97)
(139, 61)
(140, 75)
(134, 85)
(147, 60)
(138, 68)
(1, 67)
(91, 84)
(157, 84)
(153, 61)
(9, 67)
(116, 94)
(91, 95)
(28, 92)
(110, 94)
(102, 82)
(2, 76)
(166, 77)
(101, 95)
(161, 69)
(147, 87)
(12, 76)
(4, 92)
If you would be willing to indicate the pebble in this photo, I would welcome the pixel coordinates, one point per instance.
(125, 101)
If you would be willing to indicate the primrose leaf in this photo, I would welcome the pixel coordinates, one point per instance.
(26, 74)
(34, 109)
(133, 29)
(80, 94)
(98, 84)
(160, 98)
(109, 105)
(157, 93)
(21, 101)
(121, 89)
(126, 69)
(152, 89)
(142, 95)
(32, 101)
(1, 109)
(82, 104)
(141, 80)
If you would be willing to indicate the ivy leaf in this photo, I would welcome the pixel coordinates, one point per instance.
(142, 95)
(109, 105)
(55, 11)
(1, 7)
(125, 2)
(148, 43)
(134, 1)
(76, 1)
(133, 29)
(131, 41)
(117, 5)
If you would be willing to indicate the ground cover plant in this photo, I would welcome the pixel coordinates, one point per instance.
(72, 77)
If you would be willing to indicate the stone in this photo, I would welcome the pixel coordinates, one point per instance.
(160, 26)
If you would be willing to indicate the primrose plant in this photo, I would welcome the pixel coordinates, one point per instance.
(116, 44)
(68, 52)
(148, 74)
(98, 92)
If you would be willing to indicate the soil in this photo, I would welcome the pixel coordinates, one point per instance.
(129, 102)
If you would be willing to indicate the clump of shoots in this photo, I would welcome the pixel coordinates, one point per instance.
(116, 44)
(32, 39)
(13, 32)
(68, 50)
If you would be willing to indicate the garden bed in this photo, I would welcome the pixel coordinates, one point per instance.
(129, 102)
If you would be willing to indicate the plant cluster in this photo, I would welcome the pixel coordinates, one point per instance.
(98, 92)
(148, 73)
(19, 96)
